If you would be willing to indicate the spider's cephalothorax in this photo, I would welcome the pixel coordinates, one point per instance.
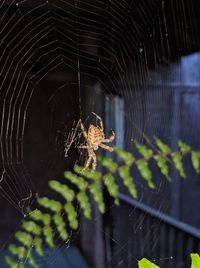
(94, 139)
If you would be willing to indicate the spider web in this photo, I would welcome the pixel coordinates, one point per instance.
(62, 60)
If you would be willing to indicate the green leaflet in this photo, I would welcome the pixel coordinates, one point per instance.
(128, 181)
(177, 160)
(37, 215)
(63, 190)
(97, 195)
(31, 260)
(164, 148)
(145, 172)
(184, 148)
(20, 252)
(71, 215)
(127, 157)
(92, 175)
(13, 264)
(112, 187)
(108, 163)
(24, 238)
(84, 204)
(61, 226)
(76, 180)
(195, 258)
(51, 204)
(162, 164)
(144, 150)
(38, 246)
(144, 263)
(48, 234)
(31, 227)
(195, 158)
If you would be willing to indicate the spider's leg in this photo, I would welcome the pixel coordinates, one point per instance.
(106, 147)
(83, 130)
(83, 147)
(94, 164)
(100, 121)
(112, 137)
(87, 163)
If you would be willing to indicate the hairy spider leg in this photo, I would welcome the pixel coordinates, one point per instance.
(84, 131)
(100, 121)
(112, 137)
(105, 147)
(83, 146)
(87, 163)
(94, 164)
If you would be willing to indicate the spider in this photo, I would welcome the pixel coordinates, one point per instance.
(95, 138)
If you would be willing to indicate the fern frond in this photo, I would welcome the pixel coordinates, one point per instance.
(39, 227)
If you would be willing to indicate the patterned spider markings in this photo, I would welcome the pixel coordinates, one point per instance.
(95, 138)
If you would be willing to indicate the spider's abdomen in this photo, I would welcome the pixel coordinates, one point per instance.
(94, 135)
